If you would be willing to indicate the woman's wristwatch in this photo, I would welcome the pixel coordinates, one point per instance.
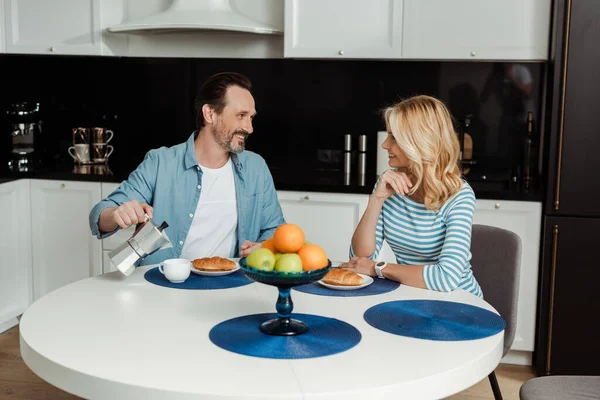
(379, 268)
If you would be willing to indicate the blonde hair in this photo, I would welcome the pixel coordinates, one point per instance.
(422, 127)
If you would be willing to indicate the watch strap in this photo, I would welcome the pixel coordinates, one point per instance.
(378, 269)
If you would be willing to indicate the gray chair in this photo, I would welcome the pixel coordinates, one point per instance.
(496, 262)
(561, 387)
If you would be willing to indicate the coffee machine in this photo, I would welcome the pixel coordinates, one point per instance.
(25, 124)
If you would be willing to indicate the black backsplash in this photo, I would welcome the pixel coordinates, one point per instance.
(305, 107)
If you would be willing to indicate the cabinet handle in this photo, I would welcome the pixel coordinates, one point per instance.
(473, 54)
(307, 197)
(551, 309)
(497, 206)
(51, 49)
(561, 125)
(341, 52)
(62, 185)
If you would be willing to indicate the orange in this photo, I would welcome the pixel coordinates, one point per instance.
(313, 257)
(289, 238)
(269, 244)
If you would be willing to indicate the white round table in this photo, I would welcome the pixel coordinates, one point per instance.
(115, 337)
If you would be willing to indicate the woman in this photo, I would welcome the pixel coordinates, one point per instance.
(421, 207)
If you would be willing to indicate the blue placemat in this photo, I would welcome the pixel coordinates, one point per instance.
(434, 320)
(197, 282)
(379, 286)
(325, 336)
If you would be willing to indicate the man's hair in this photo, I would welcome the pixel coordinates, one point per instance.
(213, 93)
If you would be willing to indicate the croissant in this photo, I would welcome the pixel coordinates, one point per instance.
(213, 264)
(343, 277)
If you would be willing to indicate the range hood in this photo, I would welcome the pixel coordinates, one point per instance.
(196, 15)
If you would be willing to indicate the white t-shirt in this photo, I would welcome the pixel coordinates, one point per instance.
(214, 224)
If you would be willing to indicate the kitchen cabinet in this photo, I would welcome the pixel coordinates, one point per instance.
(64, 250)
(328, 219)
(15, 247)
(417, 29)
(343, 29)
(111, 242)
(570, 297)
(52, 27)
(2, 27)
(476, 30)
(574, 187)
(524, 219)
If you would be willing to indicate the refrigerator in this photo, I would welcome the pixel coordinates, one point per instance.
(569, 291)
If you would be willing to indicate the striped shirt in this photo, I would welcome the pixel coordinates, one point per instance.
(438, 240)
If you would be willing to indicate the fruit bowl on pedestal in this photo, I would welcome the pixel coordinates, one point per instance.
(284, 325)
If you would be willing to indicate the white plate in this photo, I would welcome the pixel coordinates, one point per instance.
(218, 273)
(367, 281)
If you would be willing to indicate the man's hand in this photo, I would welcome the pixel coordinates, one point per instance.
(130, 213)
(248, 247)
(360, 265)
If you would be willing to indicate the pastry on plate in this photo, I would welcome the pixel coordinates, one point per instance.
(213, 264)
(343, 277)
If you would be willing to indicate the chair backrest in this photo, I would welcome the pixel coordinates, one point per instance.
(496, 262)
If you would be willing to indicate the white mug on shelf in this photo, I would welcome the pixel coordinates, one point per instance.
(80, 153)
(176, 270)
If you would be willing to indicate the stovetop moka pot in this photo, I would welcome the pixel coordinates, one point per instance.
(147, 238)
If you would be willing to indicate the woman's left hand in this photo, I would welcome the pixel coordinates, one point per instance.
(360, 265)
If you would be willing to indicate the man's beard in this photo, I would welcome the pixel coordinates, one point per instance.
(226, 140)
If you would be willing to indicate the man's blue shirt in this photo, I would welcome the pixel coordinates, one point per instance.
(170, 180)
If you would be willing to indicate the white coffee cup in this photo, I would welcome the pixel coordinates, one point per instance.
(176, 270)
(80, 153)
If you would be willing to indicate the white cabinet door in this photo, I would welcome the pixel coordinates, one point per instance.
(476, 29)
(52, 27)
(64, 249)
(524, 219)
(15, 247)
(2, 27)
(327, 219)
(343, 28)
(106, 264)
(111, 242)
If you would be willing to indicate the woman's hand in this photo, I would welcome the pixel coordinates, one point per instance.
(392, 182)
(360, 265)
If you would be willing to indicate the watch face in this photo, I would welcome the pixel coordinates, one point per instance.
(380, 264)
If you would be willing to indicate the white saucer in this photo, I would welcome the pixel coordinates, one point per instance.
(367, 281)
(218, 273)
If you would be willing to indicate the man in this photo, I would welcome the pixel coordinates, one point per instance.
(213, 194)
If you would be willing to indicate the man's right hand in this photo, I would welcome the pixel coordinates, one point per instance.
(127, 214)
(131, 213)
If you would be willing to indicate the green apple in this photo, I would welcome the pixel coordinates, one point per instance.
(262, 259)
(277, 256)
(289, 263)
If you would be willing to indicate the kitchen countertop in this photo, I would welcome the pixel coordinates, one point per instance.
(115, 173)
